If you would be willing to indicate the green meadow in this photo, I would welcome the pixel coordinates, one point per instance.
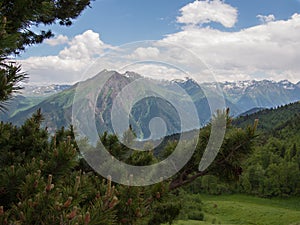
(244, 210)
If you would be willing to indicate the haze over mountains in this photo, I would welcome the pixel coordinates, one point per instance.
(56, 101)
(43, 90)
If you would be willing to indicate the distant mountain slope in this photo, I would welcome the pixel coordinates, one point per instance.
(270, 119)
(251, 111)
(239, 97)
(29, 97)
(260, 94)
(17, 104)
(43, 90)
(56, 109)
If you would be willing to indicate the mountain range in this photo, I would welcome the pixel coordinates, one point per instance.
(43, 90)
(56, 101)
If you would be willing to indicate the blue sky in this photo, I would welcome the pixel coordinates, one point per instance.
(117, 22)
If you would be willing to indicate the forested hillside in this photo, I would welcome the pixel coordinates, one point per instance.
(273, 168)
(270, 119)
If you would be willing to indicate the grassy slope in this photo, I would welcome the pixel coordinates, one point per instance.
(241, 209)
(27, 103)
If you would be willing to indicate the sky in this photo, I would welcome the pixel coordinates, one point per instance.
(235, 39)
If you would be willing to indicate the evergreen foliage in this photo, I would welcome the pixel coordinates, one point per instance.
(273, 169)
(18, 22)
(45, 180)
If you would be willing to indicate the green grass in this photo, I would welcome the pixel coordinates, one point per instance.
(244, 210)
(27, 103)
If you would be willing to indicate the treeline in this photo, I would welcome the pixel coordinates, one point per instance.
(270, 118)
(45, 180)
(273, 169)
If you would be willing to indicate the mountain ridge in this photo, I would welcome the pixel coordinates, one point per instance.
(239, 97)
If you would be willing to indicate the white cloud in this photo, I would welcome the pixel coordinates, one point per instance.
(59, 40)
(267, 51)
(202, 12)
(86, 45)
(271, 49)
(69, 65)
(155, 71)
(266, 19)
(145, 53)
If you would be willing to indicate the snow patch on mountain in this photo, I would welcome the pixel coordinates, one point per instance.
(43, 90)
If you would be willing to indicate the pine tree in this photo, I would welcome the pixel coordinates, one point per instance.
(16, 33)
(44, 182)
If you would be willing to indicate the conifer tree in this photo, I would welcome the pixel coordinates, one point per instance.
(17, 21)
(44, 182)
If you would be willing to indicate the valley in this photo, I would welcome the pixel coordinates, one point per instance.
(242, 97)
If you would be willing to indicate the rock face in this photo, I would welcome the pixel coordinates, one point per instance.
(260, 94)
(240, 97)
